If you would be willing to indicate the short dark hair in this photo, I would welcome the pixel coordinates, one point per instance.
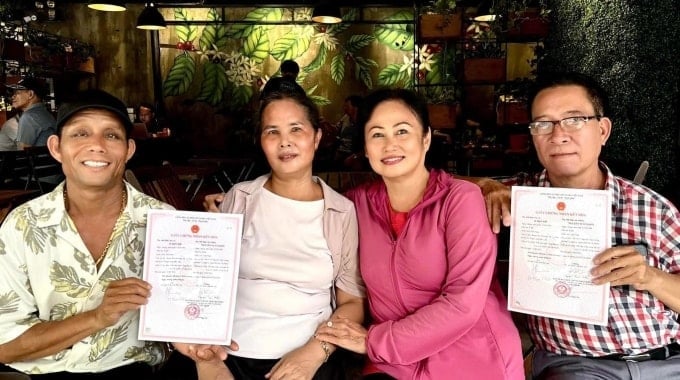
(290, 67)
(412, 100)
(299, 97)
(596, 94)
(146, 105)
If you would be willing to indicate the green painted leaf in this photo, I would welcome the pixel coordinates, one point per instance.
(365, 62)
(256, 45)
(240, 95)
(358, 41)
(318, 61)
(396, 36)
(350, 15)
(338, 68)
(258, 15)
(213, 34)
(180, 76)
(214, 83)
(185, 32)
(290, 46)
(390, 75)
(363, 74)
(320, 100)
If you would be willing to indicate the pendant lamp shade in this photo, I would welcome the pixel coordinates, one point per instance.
(151, 19)
(485, 12)
(326, 14)
(109, 6)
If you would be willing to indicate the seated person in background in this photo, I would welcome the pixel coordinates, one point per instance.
(8, 134)
(348, 136)
(146, 113)
(569, 128)
(71, 260)
(427, 256)
(36, 123)
(288, 286)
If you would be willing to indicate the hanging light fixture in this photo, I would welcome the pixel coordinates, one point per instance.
(109, 6)
(326, 14)
(151, 18)
(485, 12)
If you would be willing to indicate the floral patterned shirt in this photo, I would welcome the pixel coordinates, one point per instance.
(47, 274)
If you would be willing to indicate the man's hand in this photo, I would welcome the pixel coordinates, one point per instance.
(120, 297)
(623, 265)
(204, 352)
(299, 364)
(344, 333)
(497, 198)
(211, 202)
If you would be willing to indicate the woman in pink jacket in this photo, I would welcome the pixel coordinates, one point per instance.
(427, 256)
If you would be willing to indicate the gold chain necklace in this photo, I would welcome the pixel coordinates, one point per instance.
(108, 243)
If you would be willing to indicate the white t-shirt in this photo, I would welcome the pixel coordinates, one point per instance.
(285, 277)
(8, 134)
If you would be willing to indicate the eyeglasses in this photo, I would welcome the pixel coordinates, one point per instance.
(568, 124)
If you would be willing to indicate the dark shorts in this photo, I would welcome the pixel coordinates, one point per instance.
(130, 371)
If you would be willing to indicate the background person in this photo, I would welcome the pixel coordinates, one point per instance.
(36, 123)
(569, 128)
(8, 133)
(427, 256)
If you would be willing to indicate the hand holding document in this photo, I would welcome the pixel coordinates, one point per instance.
(191, 260)
(554, 235)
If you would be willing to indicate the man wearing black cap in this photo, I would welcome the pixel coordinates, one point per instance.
(36, 123)
(70, 264)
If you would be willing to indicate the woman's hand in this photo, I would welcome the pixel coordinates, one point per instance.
(344, 333)
(204, 352)
(299, 364)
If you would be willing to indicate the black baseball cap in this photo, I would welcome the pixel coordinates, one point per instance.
(93, 99)
(30, 83)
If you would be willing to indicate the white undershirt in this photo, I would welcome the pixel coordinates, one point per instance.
(285, 277)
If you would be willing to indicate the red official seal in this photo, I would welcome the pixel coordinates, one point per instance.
(561, 289)
(192, 311)
(195, 228)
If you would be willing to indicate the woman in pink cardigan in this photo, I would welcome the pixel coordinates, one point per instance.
(427, 256)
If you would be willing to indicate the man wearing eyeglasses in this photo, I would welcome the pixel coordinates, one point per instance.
(569, 128)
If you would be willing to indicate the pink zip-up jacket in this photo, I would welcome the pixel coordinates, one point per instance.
(438, 310)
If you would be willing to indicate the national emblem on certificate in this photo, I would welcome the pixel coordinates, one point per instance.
(191, 260)
(554, 236)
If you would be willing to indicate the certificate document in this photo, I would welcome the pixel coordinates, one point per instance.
(554, 235)
(191, 260)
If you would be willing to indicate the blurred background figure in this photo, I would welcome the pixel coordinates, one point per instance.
(36, 123)
(8, 134)
(348, 152)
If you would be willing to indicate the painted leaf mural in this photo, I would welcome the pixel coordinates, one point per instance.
(256, 45)
(233, 58)
(293, 44)
(180, 76)
(214, 83)
(396, 36)
(214, 35)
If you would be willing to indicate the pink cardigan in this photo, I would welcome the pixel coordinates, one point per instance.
(438, 310)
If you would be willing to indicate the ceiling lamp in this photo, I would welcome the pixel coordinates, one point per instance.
(151, 19)
(109, 6)
(326, 14)
(485, 12)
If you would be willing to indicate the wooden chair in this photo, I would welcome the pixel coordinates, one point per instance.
(14, 169)
(45, 171)
(162, 183)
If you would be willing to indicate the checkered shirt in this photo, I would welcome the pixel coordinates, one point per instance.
(638, 321)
